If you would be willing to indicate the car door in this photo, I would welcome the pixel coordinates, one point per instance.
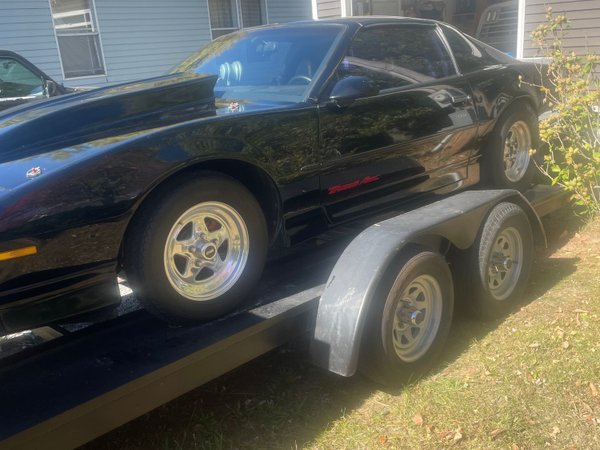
(413, 135)
(19, 83)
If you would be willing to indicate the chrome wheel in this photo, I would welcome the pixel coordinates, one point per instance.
(417, 318)
(504, 265)
(517, 145)
(206, 251)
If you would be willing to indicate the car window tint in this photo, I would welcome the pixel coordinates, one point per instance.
(467, 55)
(16, 80)
(266, 64)
(397, 56)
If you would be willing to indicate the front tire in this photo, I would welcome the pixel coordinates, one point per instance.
(410, 321)
(198, 249)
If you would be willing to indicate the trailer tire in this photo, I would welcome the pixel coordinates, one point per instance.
(410, 317)
(497, 267)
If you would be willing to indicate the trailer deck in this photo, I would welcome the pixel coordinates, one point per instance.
(79, 385)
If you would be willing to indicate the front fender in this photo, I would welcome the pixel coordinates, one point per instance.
(351, 287)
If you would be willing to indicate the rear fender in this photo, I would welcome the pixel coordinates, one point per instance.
(352, 284)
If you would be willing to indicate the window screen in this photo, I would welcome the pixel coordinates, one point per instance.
(227, 16)
(78, 38)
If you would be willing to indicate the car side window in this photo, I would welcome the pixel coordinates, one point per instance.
(18, 81)
(397, 56)
(467, 55)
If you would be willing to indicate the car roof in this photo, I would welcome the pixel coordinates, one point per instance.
(370, 20)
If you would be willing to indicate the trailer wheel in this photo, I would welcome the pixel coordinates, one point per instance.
(499, 263)
(410, 318)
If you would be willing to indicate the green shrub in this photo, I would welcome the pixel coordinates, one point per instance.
(571, 132)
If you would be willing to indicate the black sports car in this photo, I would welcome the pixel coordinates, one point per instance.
(263, 139)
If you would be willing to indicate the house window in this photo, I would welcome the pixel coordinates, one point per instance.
(227, 16)
(78, 38)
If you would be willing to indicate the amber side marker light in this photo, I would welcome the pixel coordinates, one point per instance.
(25, 251)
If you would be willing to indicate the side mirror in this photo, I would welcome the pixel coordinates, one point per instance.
(348, 89)
(50, 88)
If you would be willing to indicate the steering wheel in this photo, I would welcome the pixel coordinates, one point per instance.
(304, 78)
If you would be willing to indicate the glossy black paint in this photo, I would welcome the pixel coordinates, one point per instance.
(102, 153)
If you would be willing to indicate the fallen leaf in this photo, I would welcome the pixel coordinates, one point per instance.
(515, 447)
(565, 345)
(457, 435)
(418, 419)
(497, 432)
(382, 439)
(446, 435)
(593, 390)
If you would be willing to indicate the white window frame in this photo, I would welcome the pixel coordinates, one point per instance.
(95, 32)
(238, 15)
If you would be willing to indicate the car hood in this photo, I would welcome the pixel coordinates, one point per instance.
(89, 115)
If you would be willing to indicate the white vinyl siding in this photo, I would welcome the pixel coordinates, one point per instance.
(280, 11)
(146, 38)
(582, 36)
(327, 9)
(26, 28)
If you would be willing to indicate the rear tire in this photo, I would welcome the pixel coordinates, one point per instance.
(410, 318)
(496, 269)
(507, 162)
(197, 250)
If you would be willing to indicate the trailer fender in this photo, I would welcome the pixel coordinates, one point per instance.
(350, 289)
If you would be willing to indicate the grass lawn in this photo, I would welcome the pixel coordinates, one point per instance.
(531, 380)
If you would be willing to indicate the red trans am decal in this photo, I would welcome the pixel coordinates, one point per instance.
(354, 184)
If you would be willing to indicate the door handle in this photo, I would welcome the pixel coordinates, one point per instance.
(459, 99)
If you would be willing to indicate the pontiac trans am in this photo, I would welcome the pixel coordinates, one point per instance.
(263, 139)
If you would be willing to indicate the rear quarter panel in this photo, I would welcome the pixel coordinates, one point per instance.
(496, 88)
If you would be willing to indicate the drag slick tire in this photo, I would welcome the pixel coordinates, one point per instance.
(197, 249)
(496, 269)
(410, 318)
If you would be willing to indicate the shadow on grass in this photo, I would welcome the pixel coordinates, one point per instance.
(281, 401)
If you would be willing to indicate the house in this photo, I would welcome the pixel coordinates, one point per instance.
(583, 36)
(503, 24)
(96, 42)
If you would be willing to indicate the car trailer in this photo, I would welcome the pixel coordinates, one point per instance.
(391, 289)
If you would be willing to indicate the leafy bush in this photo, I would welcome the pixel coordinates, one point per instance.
(571, 132)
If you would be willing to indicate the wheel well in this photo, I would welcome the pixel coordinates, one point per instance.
(523, 100)
(253, 178)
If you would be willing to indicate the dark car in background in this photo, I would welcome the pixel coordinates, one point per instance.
(264, 139)
(21, 81)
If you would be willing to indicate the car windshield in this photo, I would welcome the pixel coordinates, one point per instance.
(266, 64)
